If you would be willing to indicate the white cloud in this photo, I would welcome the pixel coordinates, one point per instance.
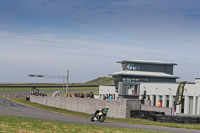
(52, 54)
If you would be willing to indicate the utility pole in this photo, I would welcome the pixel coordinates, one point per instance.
(67, 82)
(63, 86)
(58, 77)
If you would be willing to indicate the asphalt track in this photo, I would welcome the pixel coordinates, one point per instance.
(11, 108)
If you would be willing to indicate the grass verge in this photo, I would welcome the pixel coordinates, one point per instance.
(23, 125)
(27, 89)
(126, 120)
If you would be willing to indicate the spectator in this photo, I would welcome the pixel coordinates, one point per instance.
(159, 104)
(70, 95)
(87, 95)
(107, 96)
(110, 97)
(91, 95)
(104, 97)
(82, 95)
(79, 95)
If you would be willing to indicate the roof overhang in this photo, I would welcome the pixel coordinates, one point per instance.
(146, 62)
(143, 74)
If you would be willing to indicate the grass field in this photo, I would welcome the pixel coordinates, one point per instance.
(27, 89)
(101, 81)
(127, 120)
(26, 125)
(97, 81)
(14, 87)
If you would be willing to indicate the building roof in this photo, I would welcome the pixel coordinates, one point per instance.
(147, 62)
(144, 74)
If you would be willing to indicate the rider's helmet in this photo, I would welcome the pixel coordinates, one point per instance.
(106, 107)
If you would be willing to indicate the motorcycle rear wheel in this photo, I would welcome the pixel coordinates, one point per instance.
(102, 118)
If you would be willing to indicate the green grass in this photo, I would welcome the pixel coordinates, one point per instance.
(27, 89)
(101, 81)
(97, 81)
(24, 125)
(31, 84)
(126, 120)
(63, 111)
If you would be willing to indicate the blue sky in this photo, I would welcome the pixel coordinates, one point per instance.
(87, 37)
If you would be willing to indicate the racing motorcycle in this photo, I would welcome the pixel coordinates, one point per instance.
(99, 116)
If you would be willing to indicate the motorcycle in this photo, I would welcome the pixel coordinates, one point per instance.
(99, 116)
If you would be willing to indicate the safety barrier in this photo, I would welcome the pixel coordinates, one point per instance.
(161, 117)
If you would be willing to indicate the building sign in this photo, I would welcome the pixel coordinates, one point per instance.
(179, 93)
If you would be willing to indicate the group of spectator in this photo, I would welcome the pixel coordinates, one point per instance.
(68, 95)
(82, 95)
(107, 96)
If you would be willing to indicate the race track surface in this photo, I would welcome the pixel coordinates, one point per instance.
(11, 108)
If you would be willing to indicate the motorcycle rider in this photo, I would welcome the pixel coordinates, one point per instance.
(100, 111)
(105, 110)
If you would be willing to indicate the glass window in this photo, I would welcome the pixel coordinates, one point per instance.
(124, 66)
(138, 66)
(134, 67)
(131, 67)
(128, 66)
(135, 89)
(128, 80)
(132, 80)
(124, 80)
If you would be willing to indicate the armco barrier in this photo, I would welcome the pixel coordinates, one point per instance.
(161, 117)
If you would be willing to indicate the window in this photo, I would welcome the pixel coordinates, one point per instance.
(124, 66)
(124, 80)
(135, 67)
(133, 80)
(128, 80)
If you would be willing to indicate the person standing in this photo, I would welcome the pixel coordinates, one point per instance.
(159, 104)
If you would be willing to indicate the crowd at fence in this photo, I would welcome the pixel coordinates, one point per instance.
(161, 117)
(108, 96)
(36, 94)
(82, 95)
(39, 94)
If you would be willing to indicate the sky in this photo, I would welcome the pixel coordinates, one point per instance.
(87, 37)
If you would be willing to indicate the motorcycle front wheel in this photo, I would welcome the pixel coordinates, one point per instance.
(92, 118)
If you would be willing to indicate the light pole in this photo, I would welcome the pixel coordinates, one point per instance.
(67, 82)
(54, 76)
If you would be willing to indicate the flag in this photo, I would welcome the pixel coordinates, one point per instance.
(179, 93)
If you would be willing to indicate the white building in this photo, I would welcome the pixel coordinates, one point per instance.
(159, 84)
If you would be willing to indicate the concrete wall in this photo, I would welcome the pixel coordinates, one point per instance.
(119, 108)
